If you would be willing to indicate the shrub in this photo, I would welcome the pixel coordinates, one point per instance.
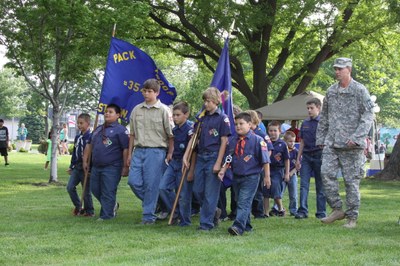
(42, 148)
(70, 148)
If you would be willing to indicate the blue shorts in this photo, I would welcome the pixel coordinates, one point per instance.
(275, 191)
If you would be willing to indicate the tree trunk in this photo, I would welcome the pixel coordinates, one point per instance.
(54, 143)
(392, 169)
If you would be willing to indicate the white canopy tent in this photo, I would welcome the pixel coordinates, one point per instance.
(293, 108)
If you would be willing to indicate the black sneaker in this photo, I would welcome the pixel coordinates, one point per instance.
(273, 212)
(282, 213)
(217, 215)
(6, 164)
(76, 212)
(232, 216)
(233, 230)
(301, 215)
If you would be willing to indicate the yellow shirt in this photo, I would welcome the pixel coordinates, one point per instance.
(151, 126)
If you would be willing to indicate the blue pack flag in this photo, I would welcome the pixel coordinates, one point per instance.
(127, 69)
(222, 81)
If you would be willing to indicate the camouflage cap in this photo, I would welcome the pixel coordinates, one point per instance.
(342, 62)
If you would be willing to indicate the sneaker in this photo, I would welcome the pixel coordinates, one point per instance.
(76, 212)
(88, 214)
(232, 216)
(225, 219)
(301, 215)
(261, 216)
(194, 213)
(233, 230)
(350, 224)
(217, 215)
(273, 212)
(337, 214)
(100, 220)
(282, 213)
(116, 207)
(162, 216)
(6, 164)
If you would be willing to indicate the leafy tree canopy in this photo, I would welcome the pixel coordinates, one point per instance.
(279, 46)
(14, 94)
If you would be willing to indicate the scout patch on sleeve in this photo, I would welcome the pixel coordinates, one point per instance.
(263, 145)
(370, 104)
(226, 120)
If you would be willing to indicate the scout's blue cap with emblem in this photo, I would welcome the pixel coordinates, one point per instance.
(342, 62)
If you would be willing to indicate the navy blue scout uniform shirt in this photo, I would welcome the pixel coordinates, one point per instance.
(79, 146)
(308, 132)
(250, 153)
(213, 127)
(182, 135)
(293, 157)
(279, 154)
(108, 144)
(266, 138)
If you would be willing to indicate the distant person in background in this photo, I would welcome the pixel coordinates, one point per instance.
(261, 124)
(382, 149)
(22, 132)
(64, 139)
(48, 152)
(4, 142)
(295, 130)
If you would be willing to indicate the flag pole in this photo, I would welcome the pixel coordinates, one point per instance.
(195, 137)
(231, 29)
(96, 121)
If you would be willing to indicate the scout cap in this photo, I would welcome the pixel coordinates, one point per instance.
(342, 62)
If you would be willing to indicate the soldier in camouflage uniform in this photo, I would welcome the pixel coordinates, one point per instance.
(346, 119)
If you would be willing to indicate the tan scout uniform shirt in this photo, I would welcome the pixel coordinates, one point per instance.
(151, 126)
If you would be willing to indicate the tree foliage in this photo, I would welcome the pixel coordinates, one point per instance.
(14, 94)
(35, 126)
(279, 45)
(54, 44)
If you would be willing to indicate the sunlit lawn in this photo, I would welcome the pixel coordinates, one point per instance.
(37, 228)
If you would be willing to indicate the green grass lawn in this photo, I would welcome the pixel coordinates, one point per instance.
(37, 228)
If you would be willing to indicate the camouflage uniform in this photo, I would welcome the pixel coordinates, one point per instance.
(346, 115)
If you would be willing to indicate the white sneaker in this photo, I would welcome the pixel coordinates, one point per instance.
(162, 215)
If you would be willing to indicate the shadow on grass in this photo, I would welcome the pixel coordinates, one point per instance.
(43, 184)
